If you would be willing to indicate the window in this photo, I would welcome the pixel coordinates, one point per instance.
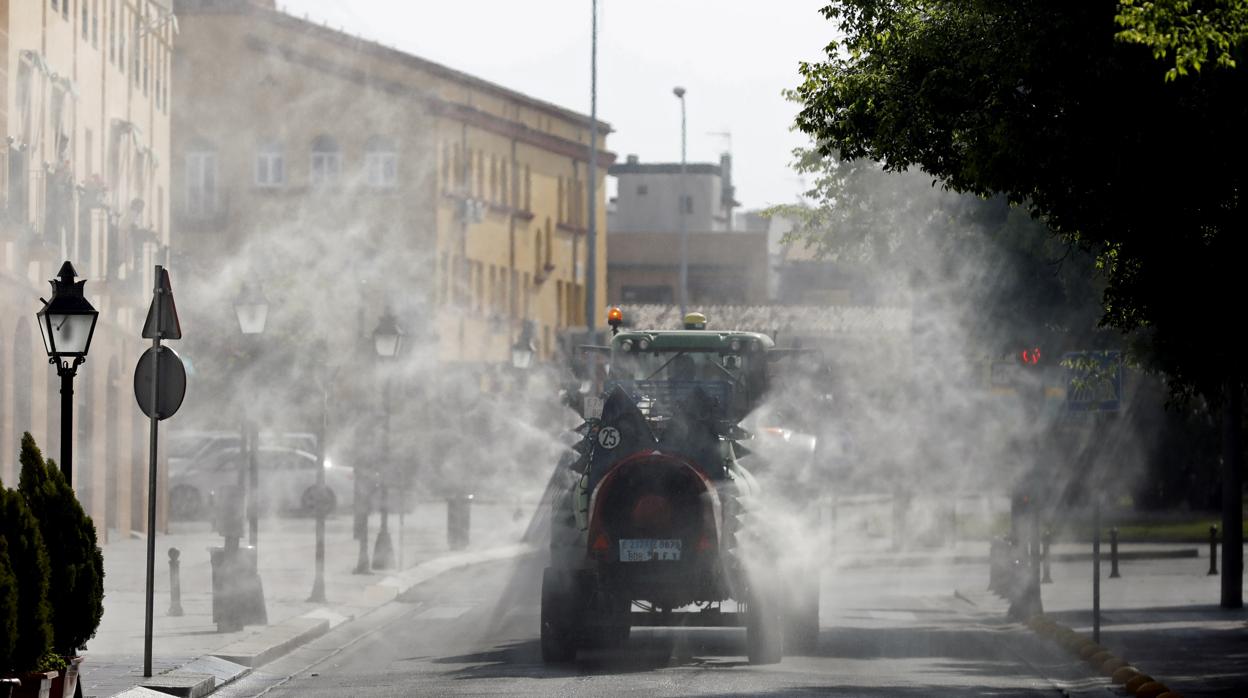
(326, 161)
(446, 167)
(86, 21)
(493, 178)
(121, 41)
(95, 23)
(687, 200)
(270, 165)
(201, 183)
(528, 190)
(504, 189)
(381, 163)
(480, 174)
(64, 9)
(642, 190)
(112, 31)
(559, 207)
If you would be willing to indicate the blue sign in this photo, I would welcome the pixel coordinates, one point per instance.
(1093, 381)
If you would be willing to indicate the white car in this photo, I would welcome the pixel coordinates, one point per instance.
(287, 479)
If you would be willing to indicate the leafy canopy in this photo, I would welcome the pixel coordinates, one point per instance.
(1038, 102)
(1193, 32)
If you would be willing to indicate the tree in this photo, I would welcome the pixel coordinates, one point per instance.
(1194, 32)
(29, 561)
(8, 609)
(76, 590)
(1039, 103)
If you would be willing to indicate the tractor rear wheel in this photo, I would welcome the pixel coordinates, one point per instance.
(559, 616)
(764, 633)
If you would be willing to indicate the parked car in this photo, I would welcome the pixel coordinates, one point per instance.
(191, 445)
(287, 477)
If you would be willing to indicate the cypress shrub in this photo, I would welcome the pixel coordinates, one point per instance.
(8, 608)
(29, 562)
(76, 586)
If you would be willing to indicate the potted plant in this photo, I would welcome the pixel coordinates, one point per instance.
(76, 587)
(28, 561)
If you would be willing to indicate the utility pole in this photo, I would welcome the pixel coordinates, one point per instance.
(591, 247)
(684, 223)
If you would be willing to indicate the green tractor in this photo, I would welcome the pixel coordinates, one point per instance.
(660, 524)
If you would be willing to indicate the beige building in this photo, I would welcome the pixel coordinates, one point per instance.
(367, 175)
(84, 103)
(724, 268)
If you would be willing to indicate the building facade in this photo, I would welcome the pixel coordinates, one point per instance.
(84, 104)
(648, 196)
(383, 178)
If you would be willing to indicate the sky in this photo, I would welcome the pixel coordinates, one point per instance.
(734, 58)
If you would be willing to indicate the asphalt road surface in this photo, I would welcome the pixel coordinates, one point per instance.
(885, 632)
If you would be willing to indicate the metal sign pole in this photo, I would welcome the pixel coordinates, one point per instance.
(158, 302)
(1096, 569)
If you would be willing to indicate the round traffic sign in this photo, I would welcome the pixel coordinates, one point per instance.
(169, 390)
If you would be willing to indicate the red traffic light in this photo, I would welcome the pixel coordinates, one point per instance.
(1029, 357)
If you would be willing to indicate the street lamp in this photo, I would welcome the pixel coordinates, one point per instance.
(251, 309)
(67, 323)
(684, 223)
(523, 350)
(387, 342)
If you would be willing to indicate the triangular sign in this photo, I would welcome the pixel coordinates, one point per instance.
(162, 315)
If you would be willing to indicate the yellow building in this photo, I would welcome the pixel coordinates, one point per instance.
(370, 175)
(84, 103)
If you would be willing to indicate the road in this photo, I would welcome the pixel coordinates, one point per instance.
(885, 632)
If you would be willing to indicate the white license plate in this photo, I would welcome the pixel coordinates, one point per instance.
(647, 549)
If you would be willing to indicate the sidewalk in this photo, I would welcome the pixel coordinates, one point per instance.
(114, 658)
(1161, 616)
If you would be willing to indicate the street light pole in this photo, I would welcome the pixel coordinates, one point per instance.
(251, 309)
(318, 584)
(591, 246)
(67, 323)
(387, 340)
(684, 223)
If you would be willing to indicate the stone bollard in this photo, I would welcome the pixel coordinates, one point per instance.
(175, 583)
(1213, 550)
(1048, 540)
(1113, 553)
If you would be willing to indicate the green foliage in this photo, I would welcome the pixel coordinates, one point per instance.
(76, 590)
(51, 661)
(1037, 102)
(8, 607)
(1194, 32)
(29, 561)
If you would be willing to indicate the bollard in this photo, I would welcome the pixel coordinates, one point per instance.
(175, 583)
(995, 554)
(1213, 550)
(1048, 541)
(1113, 553)
(458, 521)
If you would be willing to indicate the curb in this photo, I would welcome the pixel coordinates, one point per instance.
(1121, 672)
(925, 560)
(218, 668)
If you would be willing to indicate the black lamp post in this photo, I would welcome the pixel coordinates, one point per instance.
(67, 323)
(387, 342)
(251, 309)
(523, 350)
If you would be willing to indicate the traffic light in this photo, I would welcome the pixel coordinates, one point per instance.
(1029, 356)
